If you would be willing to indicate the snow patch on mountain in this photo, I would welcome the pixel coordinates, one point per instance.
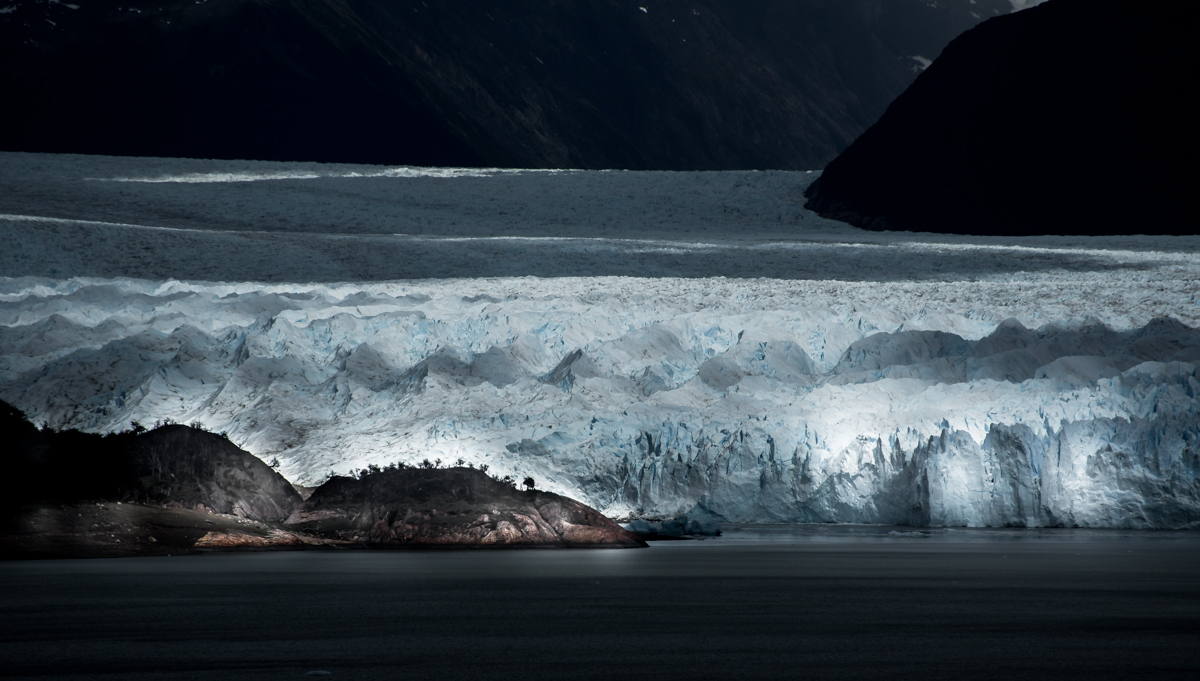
(1019, 5)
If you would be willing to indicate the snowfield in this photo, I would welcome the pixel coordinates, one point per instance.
(649, 343)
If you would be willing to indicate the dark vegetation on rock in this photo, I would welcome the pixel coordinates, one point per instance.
(1074, 117)
(706, 84)
(455, 506)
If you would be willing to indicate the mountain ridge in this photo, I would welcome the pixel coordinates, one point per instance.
(696, 86)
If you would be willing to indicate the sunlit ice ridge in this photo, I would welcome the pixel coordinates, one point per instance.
(650, 343)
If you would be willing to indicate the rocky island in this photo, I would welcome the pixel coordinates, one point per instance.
(180, 489)
(403, 506)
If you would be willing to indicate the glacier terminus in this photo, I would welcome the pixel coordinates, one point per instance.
(798, 371)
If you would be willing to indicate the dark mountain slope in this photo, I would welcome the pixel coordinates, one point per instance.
(225, 79)
(527, 83)
(1075, 117)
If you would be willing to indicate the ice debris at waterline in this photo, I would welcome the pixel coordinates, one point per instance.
(682, 526)
(757, 400)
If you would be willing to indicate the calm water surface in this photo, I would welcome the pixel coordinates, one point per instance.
(761, 602)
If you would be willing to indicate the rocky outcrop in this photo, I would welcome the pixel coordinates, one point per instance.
(524, 83)
(179, 488)
(194, 468)
(173, 466)
(1069, 118)
(451, 507)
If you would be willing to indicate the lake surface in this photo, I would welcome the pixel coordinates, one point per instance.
(761, 602)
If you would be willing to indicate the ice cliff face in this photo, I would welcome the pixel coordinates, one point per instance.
(977, 403)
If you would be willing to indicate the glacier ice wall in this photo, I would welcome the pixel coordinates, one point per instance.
(836, 375)
(1028, 402)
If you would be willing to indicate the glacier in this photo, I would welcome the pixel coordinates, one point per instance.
(764, 401)
(828, 375)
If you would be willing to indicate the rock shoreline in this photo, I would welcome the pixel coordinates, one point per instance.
(178, 489)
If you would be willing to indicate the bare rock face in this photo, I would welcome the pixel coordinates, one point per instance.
(451, 507)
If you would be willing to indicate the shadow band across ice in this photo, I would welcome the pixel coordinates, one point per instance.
(57, 247)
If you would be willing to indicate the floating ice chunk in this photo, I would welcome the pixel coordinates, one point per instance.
(677, 527)
(644, 527)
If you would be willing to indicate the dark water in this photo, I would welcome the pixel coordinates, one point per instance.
(758, 603)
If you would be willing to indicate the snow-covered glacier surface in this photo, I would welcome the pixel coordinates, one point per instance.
(831, 375)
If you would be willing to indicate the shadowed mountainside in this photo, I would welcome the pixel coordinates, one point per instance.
(1023, 124)
(599, 84)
